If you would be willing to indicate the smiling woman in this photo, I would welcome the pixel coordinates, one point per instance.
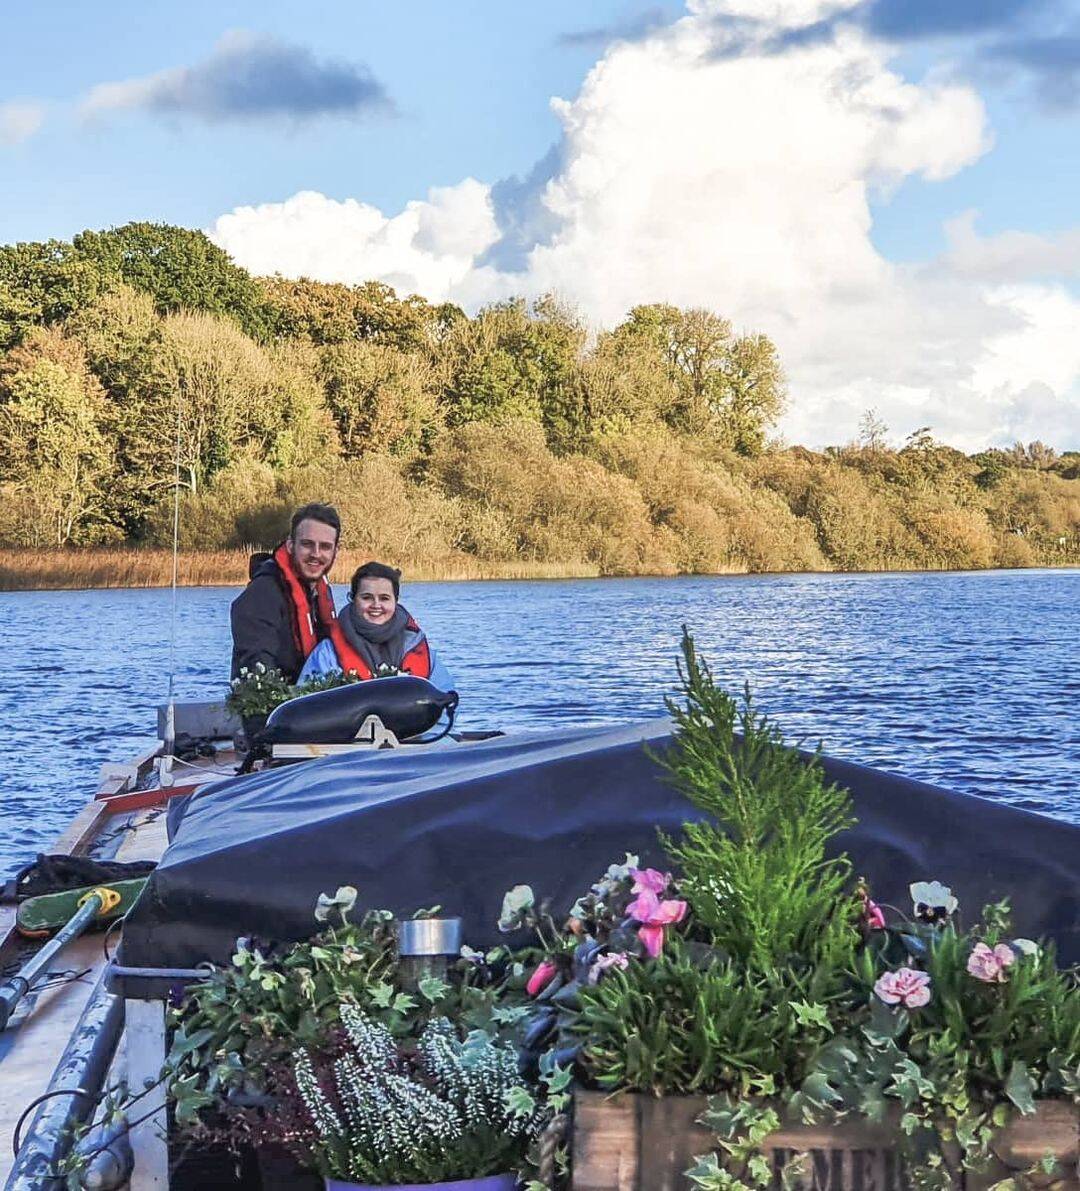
(378, 636)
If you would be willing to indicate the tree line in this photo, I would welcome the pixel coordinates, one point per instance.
(511, 434)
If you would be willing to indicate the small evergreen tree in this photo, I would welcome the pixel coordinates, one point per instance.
(758, 871)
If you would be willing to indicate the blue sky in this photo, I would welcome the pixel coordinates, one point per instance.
(656, 185)
(471, 83)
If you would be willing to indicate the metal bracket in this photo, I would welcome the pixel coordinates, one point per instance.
(372, 734)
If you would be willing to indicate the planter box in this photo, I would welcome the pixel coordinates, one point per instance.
(640, 1143)
(493, 1182)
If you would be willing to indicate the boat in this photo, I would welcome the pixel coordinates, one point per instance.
(455, 823)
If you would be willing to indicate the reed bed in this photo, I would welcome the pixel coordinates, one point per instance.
(79, 569)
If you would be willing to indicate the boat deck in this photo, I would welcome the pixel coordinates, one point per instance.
(125, 823)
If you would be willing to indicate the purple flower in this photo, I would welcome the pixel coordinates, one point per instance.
(649, 880)
(604, 963)
(905, 986)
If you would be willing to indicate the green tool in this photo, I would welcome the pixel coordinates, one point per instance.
(72, 911)
(37, 916)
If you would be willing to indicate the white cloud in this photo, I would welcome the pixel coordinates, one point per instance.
(19, 120)
(742, 184)
(1011, 255)
(428, 248)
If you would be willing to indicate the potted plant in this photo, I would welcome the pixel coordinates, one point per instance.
(254, 694)
(451, 1113)
(753, 1019)
(248, 1041)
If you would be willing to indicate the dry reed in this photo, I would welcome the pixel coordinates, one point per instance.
(78, 569)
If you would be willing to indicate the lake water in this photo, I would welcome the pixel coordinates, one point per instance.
(970, 681)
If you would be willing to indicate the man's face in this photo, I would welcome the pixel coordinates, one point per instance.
(313, 548)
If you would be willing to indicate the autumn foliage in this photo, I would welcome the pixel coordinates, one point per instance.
(133, 358)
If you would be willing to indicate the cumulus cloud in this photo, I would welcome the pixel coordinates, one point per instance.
(19, 120)
(247, 77)
(428, 248)
(1011, 255)
(742, 184)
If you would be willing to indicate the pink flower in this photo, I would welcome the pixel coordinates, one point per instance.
(648, 879)
(654, 915)
(873, 917)
(906, 987)
(604, 963)
(989, 966)
(541, 977)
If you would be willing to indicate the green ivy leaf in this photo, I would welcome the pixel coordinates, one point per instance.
(382, 995)
(808, 1014)
(1020, 1088)
(433, 988)
(519, 1102)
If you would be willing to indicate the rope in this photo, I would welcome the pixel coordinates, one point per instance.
(550, 1140)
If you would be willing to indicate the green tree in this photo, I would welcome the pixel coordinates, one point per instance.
(181, 269)
(42, 283)
(515, 362)
(727, 387)
(382, 399)
(747, 394)
(327, 313)
(54, 420)
(235, 400)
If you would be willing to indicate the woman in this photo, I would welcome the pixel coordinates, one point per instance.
(375, 634)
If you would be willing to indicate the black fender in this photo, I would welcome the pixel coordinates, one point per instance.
(407, 705)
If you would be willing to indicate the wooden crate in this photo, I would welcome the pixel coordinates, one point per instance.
(640, 1143)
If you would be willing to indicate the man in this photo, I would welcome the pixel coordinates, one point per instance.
(287, 608)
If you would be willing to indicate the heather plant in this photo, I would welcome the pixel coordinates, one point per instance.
(450, 1109)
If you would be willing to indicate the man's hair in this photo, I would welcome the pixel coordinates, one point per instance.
(376, 570)
(327, 514)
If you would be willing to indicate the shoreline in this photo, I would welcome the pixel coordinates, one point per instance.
(97, 569)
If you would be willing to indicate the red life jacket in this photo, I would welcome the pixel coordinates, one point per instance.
(417, 659)
(305, 634)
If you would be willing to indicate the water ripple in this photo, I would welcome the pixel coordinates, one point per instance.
(968, 681)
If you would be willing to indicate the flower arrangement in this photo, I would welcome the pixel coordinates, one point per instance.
(758, 971)
(258, 691)
(764, 974)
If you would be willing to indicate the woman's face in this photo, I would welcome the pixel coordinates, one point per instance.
(376, 601)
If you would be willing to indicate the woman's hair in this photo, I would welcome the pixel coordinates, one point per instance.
(376, 570)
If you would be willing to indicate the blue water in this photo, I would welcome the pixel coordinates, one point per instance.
(970, 681)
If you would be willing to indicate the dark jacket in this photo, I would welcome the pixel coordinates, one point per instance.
(262, 626)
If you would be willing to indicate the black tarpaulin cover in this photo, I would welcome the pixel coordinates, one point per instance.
(458, 825)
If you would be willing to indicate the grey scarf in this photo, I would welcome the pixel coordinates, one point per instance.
(378, 644)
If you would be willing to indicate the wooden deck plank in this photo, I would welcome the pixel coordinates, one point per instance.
(32, 1044)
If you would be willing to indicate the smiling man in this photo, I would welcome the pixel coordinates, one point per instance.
(288, 608)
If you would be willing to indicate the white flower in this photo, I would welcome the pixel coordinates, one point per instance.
(933, 901)
(516, 903)
(343, 901)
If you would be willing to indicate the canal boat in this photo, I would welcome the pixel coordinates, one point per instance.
(454, 823)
